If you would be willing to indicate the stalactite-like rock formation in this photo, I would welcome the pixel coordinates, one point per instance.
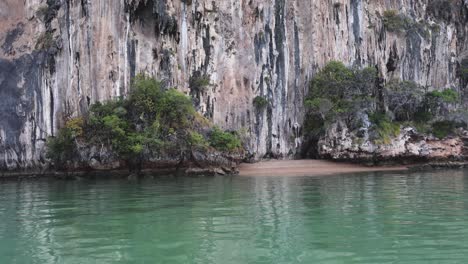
(58, 56)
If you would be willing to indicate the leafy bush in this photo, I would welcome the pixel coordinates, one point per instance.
(423, 115)
(45, 41)
(385, 128)
(75, 126)
(321, 106)
(394, 22)
(61, 148)
(197, 140)
(144, 98)
(447, 95)
(224, 141)
(150, 120)
(331, 82)
(338, 92)
(342, 85)
(421, 127)
(419, 109)
(464, 69)
(403, 99)
(435, 105)
(175, 109)
(400, 23)
(442, 129)
(198, 83)
(260, 102)
(314, 125)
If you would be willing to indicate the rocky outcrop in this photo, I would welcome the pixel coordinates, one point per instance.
(59, 56)
(94, 159)
(409, 146)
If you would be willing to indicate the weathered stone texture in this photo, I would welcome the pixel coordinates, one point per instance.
(91, 49)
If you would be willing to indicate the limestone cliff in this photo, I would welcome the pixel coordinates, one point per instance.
(59, 56)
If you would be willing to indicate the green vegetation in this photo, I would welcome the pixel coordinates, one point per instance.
(337, 89)
(421, 127)
(435, 104)
(394, 21)
(45, 41)
(225, 141)
(199, 83)
(428, 112)
(447, 95)
(385, 128)
(400, 23)
(337, 92)
(403, 99)
(151, 121)
(260, 102)
(464, 69)
(441, 129)
(342, 95)
(197, 140)
(62, 148)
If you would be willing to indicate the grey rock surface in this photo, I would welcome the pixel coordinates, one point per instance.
(59, 56)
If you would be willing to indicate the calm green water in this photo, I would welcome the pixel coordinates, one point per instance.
(366, 218)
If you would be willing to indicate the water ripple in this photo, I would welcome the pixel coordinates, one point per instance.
(362, 218)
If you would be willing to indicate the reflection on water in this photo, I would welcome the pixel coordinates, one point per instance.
(364, 218)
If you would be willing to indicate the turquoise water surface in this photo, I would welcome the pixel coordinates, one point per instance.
(361, 218)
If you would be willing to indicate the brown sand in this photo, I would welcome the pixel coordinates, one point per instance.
(307, 168)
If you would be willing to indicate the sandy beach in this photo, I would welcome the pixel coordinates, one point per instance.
(307, 168)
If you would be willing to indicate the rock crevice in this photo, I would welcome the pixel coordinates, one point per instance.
(90, 51)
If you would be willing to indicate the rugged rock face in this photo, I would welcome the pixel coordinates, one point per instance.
(59, 56)
(91, 158)
(409, 146)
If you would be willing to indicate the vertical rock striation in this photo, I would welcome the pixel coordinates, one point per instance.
(59, 56)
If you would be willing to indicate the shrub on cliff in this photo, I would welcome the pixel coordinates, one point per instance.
(62, 148)
(427, 111)
(260, 102)
(441, 129)
(44, 41)
(342, 86)
(400, 23)
(436, 105)
(386, 129)
(449, 96)
(199, 83)
(394, 21)
(224, 141)
(175, 110)
(151, 121)
(463, 72)
(349, 95)
(403, 99)
(338, 92)
(144, 98)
